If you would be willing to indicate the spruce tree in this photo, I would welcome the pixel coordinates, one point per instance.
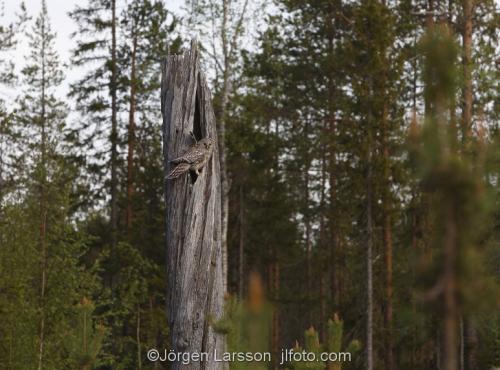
(130, 307)
(9, 37)
(97, 138)
(51, 246)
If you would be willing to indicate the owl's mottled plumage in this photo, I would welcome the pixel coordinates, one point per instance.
(194, 159)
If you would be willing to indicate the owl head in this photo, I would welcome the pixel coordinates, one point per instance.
(206, 142)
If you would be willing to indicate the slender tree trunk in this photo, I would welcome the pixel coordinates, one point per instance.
(43, 244)
(429, 24)
(450, 334)
(470, 332)
(43, 209)
(131, 137)
(224, 184)
(467, 68)
(308, 261)
(85, 341)
(153, 329)
(389, 356)
(322, 248)
(138, 338)
(229, 47)
(241, 248)
(429, 20)
(193, 215)
(333, 228)
(414, 245)
(369, 264)
(462, 344)
(387, 223)
(470, 344)
(274, 287)
(387, 238)
(114, 129)
(308, 230)
(335, 275)
(221, 129)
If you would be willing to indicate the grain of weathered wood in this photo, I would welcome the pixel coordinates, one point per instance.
(193, 213)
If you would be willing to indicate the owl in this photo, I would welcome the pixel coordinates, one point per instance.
(194, 159)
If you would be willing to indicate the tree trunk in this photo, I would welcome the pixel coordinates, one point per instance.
(226, 86)
(450, 293)
(114, 128)
(131, 137)
(43, 207)
(470, 344)
(369, 268)
(323, 249)
(429, 24)
(224, 185)
(138, 338)
(274, 290)
(193, 214)
(467, 65)
(389, 358)
(470, 333)
(43, 287)
(241, 248)
(387, 237)
(308, 230)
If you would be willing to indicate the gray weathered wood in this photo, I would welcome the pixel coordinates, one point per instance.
(193, 213)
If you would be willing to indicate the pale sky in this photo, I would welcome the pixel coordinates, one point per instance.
(64, 27)
(62, 24)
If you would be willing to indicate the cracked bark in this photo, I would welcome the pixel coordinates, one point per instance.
(193, 214)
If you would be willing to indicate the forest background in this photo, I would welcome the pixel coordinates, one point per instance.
(359, 162)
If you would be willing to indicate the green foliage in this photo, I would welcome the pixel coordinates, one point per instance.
(311, 345)
(333, 345)
(321, 88)
(131, 303)
(41, 248)
(18, 297)
(453, 178)
(440, 72)
(246, 325)
(84, 341)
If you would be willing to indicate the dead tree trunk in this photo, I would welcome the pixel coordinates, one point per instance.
(193, 214)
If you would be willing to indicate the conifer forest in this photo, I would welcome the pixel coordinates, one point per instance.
(346, 198)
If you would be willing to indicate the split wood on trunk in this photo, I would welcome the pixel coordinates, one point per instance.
(193, 212)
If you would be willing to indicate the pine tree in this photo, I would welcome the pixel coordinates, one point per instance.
(85, 339)
(375, 73)
(8, 41)
(456, 185)
(150, 33)
(332, 345)
(247, 324)
(130, 307)
(96, 95)
(42, 116)
(51, 247)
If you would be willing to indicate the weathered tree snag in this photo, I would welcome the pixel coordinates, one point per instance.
(193, 214)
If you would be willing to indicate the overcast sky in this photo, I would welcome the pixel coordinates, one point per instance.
(62, 24)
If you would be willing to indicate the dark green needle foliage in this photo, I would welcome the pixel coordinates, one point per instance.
(41, 248)
(350, 127)
(84, 340)
(247, 325)
(333, 346)
(454, 276)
